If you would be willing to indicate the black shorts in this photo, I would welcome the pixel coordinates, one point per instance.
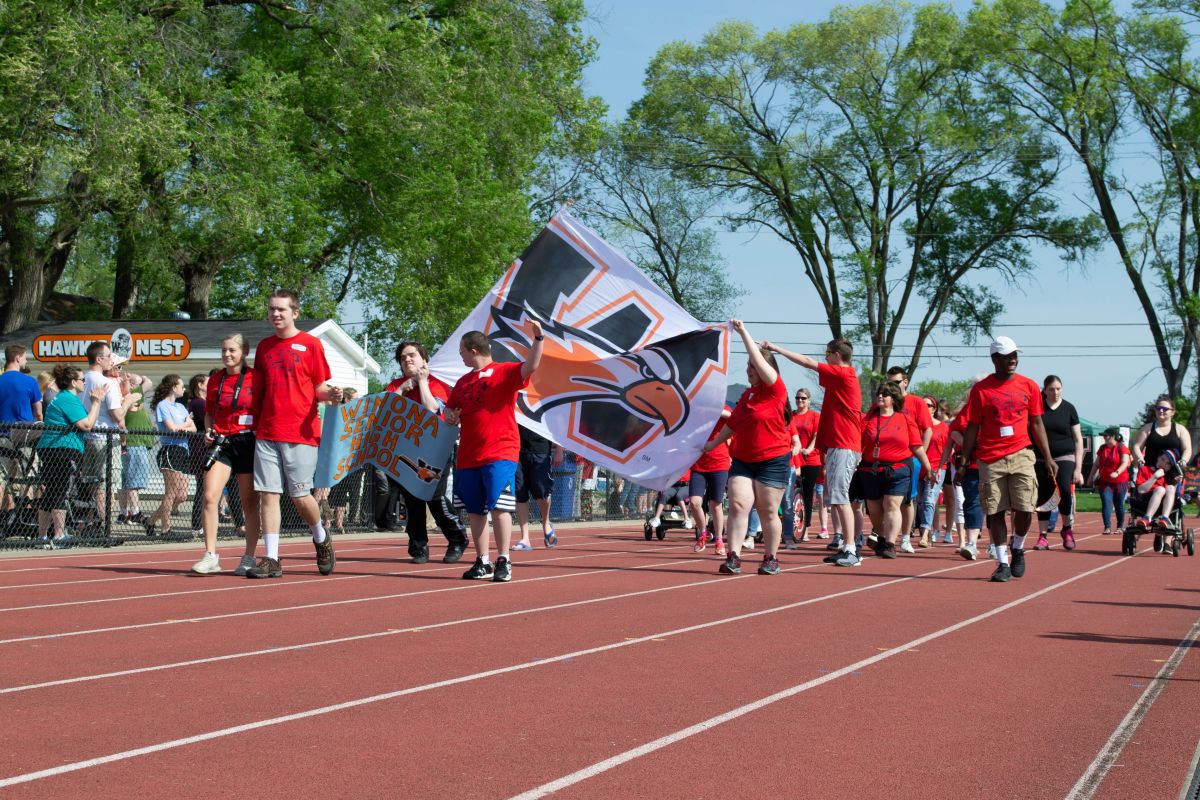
(238, 454)
(857, 491)
(709, 485)
(58, 464)
(175, 458)
(533, 477)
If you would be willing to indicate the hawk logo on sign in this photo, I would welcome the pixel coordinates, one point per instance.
(622, 392)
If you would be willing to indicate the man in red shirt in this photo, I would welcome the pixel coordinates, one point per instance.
(291, 369)
(1004, 411)
(418, 385)
(839, 430)
(483, 403)
(919, 414)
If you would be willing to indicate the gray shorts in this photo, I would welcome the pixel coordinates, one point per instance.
(94, 453)
(840, 465)
(280, 464)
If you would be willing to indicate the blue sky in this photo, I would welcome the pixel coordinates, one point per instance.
(1104, 389)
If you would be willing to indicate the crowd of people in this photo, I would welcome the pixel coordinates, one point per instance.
(249, 435)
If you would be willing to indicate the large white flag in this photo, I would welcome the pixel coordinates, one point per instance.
(628, 379)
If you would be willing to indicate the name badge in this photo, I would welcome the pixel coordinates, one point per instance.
(299, 347)
(487, 373)
(246, 419)
(1006, 430)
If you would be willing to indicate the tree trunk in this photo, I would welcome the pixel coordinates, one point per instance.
(125, 285)
(198, 274)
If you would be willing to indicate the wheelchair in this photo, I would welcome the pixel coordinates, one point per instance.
(1180, 538)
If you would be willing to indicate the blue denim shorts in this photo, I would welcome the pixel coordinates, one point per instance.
(885, 480)
(772, 472)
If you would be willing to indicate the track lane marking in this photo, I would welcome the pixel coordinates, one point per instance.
(1089, 782)
(654, 637)
(607, 764)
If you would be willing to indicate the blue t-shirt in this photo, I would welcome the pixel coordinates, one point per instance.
(18, 393)
(176, 413)
(65, 410)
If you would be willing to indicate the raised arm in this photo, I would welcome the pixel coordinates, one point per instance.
(535, 353)
(795, 358)
(765, 371)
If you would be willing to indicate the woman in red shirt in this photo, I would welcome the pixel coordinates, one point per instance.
(761, 451)
(890, 440)
(230, 411)
(1110, 476)
(807, 465)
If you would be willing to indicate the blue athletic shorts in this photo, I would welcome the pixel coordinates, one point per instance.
(481, 488)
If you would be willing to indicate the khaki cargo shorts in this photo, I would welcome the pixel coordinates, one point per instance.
(1008, 483)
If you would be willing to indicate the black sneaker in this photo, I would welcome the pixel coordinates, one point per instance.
(325, 556)
(503, 571)
(1002, 574)
(266, 568)
(835, 544)
(832, 557)
(479, 571)
(419, 555)
(1018, 563)
(731, 566)
(769, 565)
(888, 550)
(454, 552)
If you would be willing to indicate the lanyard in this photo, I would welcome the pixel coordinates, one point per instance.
(879, 429)
(237, 388)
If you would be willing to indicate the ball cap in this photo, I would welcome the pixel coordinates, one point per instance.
(1002, 346)
(119, 360)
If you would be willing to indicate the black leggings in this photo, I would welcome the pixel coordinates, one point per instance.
(808, 484)
(1066, 469)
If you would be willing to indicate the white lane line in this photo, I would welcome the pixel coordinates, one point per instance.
(391, 631)
(307, 570)
(189, 557)
(329, 603)
(1089, 782)
(607, 764)
(654, 637)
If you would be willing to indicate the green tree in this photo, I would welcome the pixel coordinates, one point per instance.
(864, 144)
(661, 223)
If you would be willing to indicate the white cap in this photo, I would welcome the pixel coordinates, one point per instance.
(118, 360)
(1002, 345)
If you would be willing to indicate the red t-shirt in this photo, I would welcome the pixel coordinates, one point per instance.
(437, 387)
(718, 458)
(841, 410)
(759, 429)
(289, 372)
(805, 426)
(938, 440)
(1145, 473)
(916, 410)
(1108, 459)
(486, 399)
(889, 440)
(1003, 410)
(233, 408)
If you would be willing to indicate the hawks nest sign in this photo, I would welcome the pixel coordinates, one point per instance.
(134, 346)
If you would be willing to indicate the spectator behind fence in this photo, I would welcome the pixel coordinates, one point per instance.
(174, 457)
(135, 457)
(20, 401)
(197, 392)
(102, 454)
(60, 449)
(46, 385)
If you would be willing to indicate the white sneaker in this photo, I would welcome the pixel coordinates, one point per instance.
(906, 545)
(655, 522)
(749, 543)
(824, 534)
(689, 523)
(992, 551)
(246, 563)
(207, 565)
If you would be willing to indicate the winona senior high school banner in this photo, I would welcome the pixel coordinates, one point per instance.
(386, 430)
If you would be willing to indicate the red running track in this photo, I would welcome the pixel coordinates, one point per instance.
(610, 667)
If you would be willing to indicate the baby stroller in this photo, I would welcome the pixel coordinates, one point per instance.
(674, 514)
(1170, 537)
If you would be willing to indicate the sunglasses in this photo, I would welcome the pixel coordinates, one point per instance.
(800, 397)
(882, 394)
(1163, 408)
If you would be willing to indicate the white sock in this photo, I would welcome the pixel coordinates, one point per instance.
(318, 532)
(1018, 542)
(1002, 553)
(849, 547)
(503, 555)
(271, 543)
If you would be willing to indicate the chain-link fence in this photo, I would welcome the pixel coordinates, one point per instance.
(146, 486)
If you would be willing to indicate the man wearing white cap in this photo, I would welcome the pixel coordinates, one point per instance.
(1004, 411)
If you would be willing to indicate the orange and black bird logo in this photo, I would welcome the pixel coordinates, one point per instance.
(618, 390)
